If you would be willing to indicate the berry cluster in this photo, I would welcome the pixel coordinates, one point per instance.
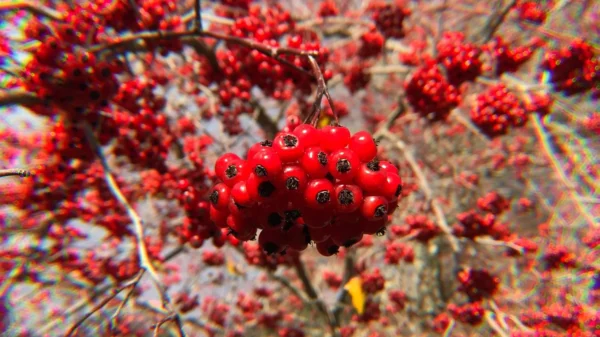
(468, 313)
(371, 44)
(321, 185)
(477, 283)
(573, 69)
(389, 19)
(461, 59)
(530, 11)
(496, 110)
(430, 93)
(507, 59)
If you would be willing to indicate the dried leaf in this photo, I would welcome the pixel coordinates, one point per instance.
(354, 288)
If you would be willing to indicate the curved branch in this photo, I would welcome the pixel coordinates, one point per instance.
(33, 7)
(18, 97)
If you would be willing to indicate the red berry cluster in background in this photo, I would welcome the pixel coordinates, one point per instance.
(497, 110)
(320, 185)
(508, 59)
(430, 93)
(531, 11)
(573, 69)
(461, 59)
(389, 18)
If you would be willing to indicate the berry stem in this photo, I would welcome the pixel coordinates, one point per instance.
(15, 172)
(313, 118)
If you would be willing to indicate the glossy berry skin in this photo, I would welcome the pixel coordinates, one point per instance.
(271, 241)
(392, 187)
(374, 208)
(319, 234)
(308, 135)
(388, 167)
(224, 161)
(348, 198)
(334, 138)
(241, 196)
(374, 226)
(370, 178)
(266, 163)
(327, 247)
(260, 188)
(288, 146)
(296, 237)
(364, 146)
(345, 234)
(319, 194)
(219, 196)
(314, 162)
(254, 149)
(343, 164)
(236, 171)
(316, 219)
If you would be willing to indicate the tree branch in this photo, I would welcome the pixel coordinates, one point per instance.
(33, 7)
(18, 97)
(14, 172)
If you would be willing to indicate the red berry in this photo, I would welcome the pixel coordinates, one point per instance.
(293, 180)
(266, 163)
(387, 166)
(288, 146)
(308, 135)
(219, 196)
(236, 171)
(364, 146)
(334, 138)
(374, 226)
(316, 219)
(218, 217)
(374, 208)
(319, 234)
(254, 149)
(297, 237)
(327, 247)
(239, 195)
(241, 228)
(392, 187)
(319, 194)
(223, 161)
(314, 162)
(348, 198)
(271, 241)
(343, 164)
(370, 177)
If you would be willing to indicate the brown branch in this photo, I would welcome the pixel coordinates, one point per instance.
(32, 6)
(14, 172)
(198, 16)
(18, 97)
(313, 117)
(311, 292)
(145, 262)
(342, 292)
(494, 22)
(115, 292)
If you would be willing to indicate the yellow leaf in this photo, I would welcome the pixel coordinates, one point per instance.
(324, 120)
(354, 288)
(233, 269)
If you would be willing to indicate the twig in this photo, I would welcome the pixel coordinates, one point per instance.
(341, 294)
(21, 97)
(494, 325)
(145, 262)
(113, 319)
(492, 242)
(494, 22)
(15, 172)
(321, 90)
(449, 328)
(33, 7)
(423, 184)
(100, 305)
(198, 16)
(312, 294)
(286, 283)
(160, 323)
(544, 139)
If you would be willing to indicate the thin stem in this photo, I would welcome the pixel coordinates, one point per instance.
(33, 7)
(321, 90)
(15, 172)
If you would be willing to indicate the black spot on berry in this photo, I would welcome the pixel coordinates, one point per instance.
(343, 166)
(270, 248)
(94, 95)
(373, 165)
(231, 171)
(323, 197)
(105, 72)
(322, 158)
(266, 143)
(290, 141)
(330, 177)
(83, 87)
(77, 72)
(274, 219)
(381, 231)
(306, 233)
(346, 197)
(333, 249)
(265, 189)
(380, 211)
(260, 171)
(398, 190)
(351, 242)
(292, 183)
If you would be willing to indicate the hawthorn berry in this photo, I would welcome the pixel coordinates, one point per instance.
(266, 163)
(288, 146)
(319, 194)
(348, 198)
(343, 164)
(370, 177)
(219, 196)
(363, 144)
(308, 135)
(335, 137)
(314, 162)
(374, 208)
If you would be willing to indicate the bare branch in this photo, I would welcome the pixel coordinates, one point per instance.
(18, 97)
(14, 172)
(494, 22)
(32, 6)
(321, 90)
